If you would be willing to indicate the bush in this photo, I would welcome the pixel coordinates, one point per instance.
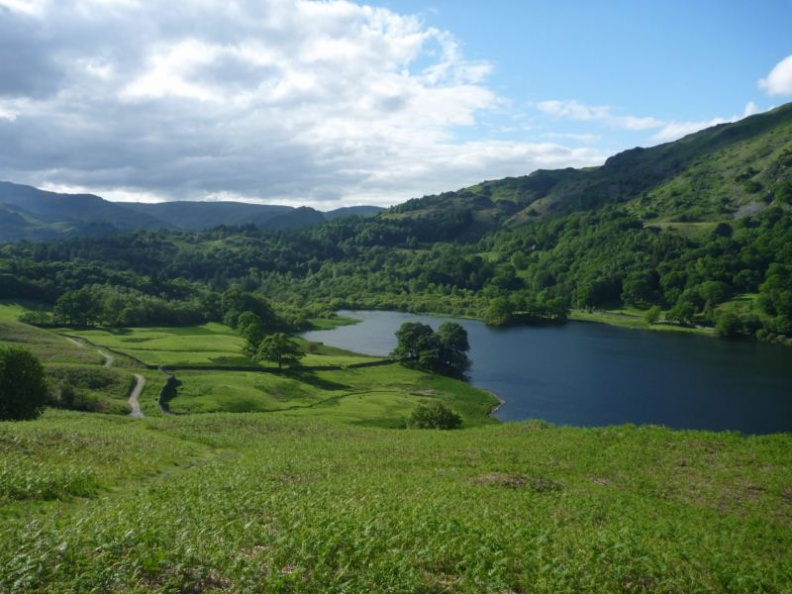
(23, 390)
(652, 315)
(434, 416)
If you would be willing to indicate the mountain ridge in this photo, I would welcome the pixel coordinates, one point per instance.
(720, 173)
(29, 213)
(708, 175)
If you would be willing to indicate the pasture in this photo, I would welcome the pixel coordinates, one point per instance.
(319, 487)
(266, 502)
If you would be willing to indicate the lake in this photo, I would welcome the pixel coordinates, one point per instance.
(588, 374)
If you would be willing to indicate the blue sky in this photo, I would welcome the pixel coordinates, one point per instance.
(673, 60)
(334, 103)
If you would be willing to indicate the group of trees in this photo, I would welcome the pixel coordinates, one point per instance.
(538, 270)
(264, 343)
(109, 305)
(444, 351)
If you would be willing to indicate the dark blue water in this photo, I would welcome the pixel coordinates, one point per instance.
(592, 374)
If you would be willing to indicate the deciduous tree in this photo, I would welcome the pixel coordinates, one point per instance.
(280, 349)
(23, 389)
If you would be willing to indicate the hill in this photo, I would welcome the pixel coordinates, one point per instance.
(27, 213)
(277, 503)
(724, 172)
(691, 234)
(319, 487)
(38, 214)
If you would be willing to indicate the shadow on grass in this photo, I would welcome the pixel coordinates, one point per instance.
(116, 331)
(232, 361)
(310, 378)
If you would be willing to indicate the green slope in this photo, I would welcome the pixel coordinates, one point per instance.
(269, 503)
(723, 172)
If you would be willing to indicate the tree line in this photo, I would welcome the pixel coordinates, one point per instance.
(537, 271)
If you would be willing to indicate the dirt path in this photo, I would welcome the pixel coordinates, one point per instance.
(134, 403)
(107, 356)
(140, 381)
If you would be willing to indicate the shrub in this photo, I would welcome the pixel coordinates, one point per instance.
(23, 390)
(434, 416)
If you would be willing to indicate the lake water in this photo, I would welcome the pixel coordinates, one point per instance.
(592, 374)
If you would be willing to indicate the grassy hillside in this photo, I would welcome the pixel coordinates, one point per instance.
(727, 171)
(206, 361)
(269, 503)
(324, 490)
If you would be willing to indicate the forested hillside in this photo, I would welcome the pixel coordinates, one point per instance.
(27, 213)
(699, 232)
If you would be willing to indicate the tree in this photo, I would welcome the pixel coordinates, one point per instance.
(499, 312)
(234, 302)
(652, 315)
(79, 308)
(280, 349)
(249, 327)
(444, 351)
(413, 340)
(682, 312)
(454, 346)
(23, 390)
(728, 325)
(434, 416)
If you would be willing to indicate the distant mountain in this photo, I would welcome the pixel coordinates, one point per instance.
(725, 172)
(356, 211)
(195, 216)
(33, 214)
(27, 213)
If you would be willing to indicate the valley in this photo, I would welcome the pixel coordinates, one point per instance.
(237, 475)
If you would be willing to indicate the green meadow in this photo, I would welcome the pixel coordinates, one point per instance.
(383, 395)
(273, 503)
(319, 487)
(207, 344)
(634, 319)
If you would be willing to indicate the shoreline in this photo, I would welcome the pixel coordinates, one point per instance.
(496, 407)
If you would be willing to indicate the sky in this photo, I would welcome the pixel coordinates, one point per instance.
(341, 103)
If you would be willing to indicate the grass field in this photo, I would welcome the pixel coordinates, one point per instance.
(627, 317)
(11, 310)
(327, 491)
(208, 344)
(382, 396)
(269, 503)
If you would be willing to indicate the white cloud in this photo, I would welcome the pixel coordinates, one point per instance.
(779, 81)
(28, 7)
(675, 130)
(7, 112)
(585, 138)
(277, 100)
(751, 108)
(574, 110)
(666, 130)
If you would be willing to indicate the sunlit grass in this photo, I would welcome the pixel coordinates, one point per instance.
(269, 503)
(207, 344)
(383, 395)
(11, 310)
(66, 454)
(634, 319)
(47, 346)
(321, 488)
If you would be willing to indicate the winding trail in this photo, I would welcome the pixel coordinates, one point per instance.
(134, 403)
(107, 356)
(140, 381)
